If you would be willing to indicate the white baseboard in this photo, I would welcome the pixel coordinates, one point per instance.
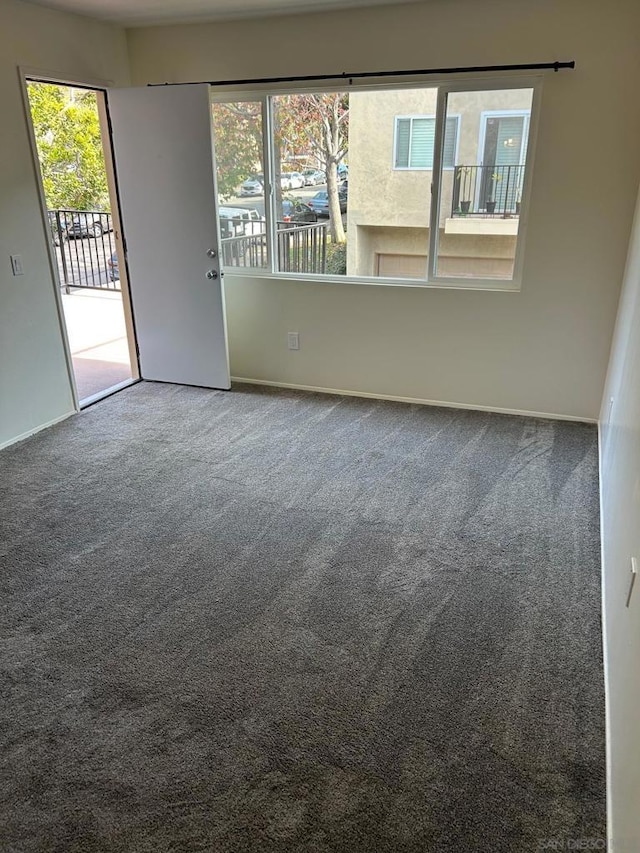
(415, 400)
(37, 429)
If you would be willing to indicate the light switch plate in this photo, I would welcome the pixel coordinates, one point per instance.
(16, 265)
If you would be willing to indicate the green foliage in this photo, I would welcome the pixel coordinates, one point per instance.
(238, 134)
(67, 130)
(337, 259)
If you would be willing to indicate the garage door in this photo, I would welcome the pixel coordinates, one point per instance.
(401, 266)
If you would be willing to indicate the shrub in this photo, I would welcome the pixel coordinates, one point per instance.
(337, 259)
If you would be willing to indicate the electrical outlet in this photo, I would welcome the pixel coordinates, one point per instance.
(16, 265)
(634, 575)
(293, 340)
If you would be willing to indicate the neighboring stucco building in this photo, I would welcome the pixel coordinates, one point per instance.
(391, 138)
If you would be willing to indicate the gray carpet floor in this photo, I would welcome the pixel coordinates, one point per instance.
(262, 620)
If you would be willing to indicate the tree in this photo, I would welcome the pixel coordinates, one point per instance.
(238, 135)
(316, 125)
(69, 142)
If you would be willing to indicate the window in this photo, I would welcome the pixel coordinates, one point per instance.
(480, 202)
(418, 184)
(240, 182)
(415, 138)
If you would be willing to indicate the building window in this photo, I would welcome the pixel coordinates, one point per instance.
(415, 142)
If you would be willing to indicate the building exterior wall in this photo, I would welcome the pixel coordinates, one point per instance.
(383, 197)
(460, 255)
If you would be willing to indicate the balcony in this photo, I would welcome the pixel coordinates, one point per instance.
(85, 249)
(301, 248)
(486, 200)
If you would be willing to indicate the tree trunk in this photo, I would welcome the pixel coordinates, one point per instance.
(335, 216)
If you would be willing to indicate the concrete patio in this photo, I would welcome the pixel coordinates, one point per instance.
(98, 339)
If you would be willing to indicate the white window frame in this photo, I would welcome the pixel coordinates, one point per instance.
(454, 83)
(398, 118)
(514, 283)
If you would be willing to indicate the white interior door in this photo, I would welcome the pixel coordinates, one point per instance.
(163, 151)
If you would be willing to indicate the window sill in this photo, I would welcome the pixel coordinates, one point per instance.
(421, 168)
(492, 285)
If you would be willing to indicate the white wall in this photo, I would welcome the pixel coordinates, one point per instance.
(544, 349)
(34, 382)
(620, 489)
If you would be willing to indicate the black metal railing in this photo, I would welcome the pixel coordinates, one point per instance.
(246, 250)
(493, 191)
(85, 248)
(301, 248)
(84, 244)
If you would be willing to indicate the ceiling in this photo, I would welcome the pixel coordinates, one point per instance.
(131, 13)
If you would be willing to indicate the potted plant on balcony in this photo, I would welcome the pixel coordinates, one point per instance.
(464, 186)
(490, 203)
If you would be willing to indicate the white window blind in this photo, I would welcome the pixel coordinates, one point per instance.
(415, 142)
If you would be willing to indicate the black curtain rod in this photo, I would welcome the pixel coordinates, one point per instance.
(362, 75)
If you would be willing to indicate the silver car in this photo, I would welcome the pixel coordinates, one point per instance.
(253, 186)
(291, 181)
(313, 177)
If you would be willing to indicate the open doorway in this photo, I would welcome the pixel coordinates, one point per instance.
(76, 170)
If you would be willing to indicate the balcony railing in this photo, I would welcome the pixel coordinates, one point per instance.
(84, 243)
(245, 251)
(301, 248)
(492, 191)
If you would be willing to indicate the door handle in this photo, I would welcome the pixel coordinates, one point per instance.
(212, 274)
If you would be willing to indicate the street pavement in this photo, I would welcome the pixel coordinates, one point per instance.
(256, 202)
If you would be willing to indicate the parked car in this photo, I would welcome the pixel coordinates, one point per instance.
(297, 211)
(88, 225)
(58, 225)
(291, 181)
(114, 270)
(320, 202)
(313, 177)
(253, 186)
